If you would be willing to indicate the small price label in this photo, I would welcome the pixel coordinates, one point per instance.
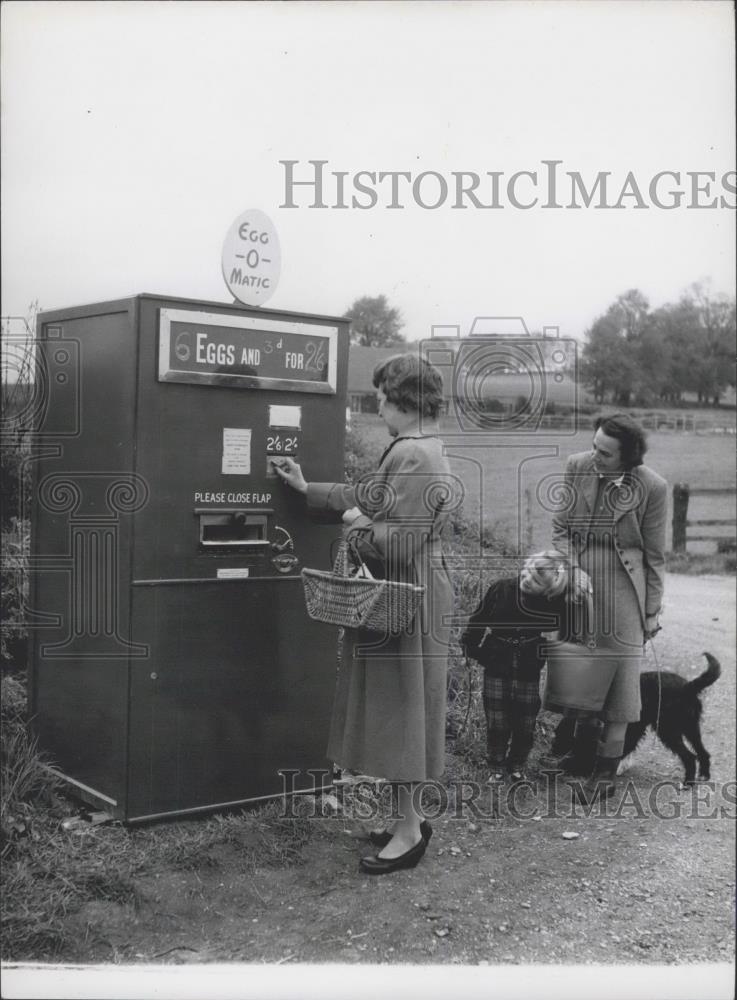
(282, 444)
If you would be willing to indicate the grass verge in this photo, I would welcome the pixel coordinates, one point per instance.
(50, 871)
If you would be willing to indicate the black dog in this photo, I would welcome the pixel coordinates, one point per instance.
(671, 707)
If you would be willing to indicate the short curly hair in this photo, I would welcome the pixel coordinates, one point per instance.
(550, 569)
(410, 383)
(631, 436)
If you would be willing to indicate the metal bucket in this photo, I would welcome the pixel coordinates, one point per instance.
(578, 676)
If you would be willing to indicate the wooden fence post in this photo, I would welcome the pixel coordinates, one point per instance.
(680, 514)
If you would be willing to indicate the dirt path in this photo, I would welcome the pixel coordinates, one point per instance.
(634, 887)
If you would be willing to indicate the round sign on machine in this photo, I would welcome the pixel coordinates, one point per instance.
(252, 258)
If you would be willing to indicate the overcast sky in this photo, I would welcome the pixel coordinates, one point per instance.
(133, 135)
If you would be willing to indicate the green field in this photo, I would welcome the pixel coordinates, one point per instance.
(502, 483)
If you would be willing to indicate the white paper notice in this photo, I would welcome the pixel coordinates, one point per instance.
(285, 416)
(236, 451)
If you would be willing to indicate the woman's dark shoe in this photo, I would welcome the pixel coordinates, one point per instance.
(380, 838)
(384, 866)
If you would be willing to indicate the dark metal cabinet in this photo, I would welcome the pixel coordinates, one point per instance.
(174, 667)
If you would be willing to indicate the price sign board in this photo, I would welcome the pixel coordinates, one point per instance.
(248, 351)
(252, 258)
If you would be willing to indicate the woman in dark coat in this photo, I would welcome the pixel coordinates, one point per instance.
(389, 711)
(613, 528)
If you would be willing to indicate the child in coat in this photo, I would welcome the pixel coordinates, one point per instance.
(504, 635)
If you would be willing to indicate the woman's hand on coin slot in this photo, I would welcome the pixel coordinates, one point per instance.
(289, 472)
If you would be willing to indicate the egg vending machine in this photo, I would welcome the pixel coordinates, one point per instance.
(173, 666)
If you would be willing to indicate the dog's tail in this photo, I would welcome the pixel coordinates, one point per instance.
(711, 674)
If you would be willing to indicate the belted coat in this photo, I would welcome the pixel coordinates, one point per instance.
(614, 529)
(388, 716)
(639, 525)
(505, 632)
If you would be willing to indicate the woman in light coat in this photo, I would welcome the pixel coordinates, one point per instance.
(613, 528)
(389, 711)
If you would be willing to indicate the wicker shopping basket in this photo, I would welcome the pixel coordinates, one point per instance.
(356, 601)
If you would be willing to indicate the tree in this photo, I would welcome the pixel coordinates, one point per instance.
(374, 323)
(679, 323)
(634, 355)
(664, 356)
(715, 338)
(654, 361)
(610, 356)
(631, 314)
